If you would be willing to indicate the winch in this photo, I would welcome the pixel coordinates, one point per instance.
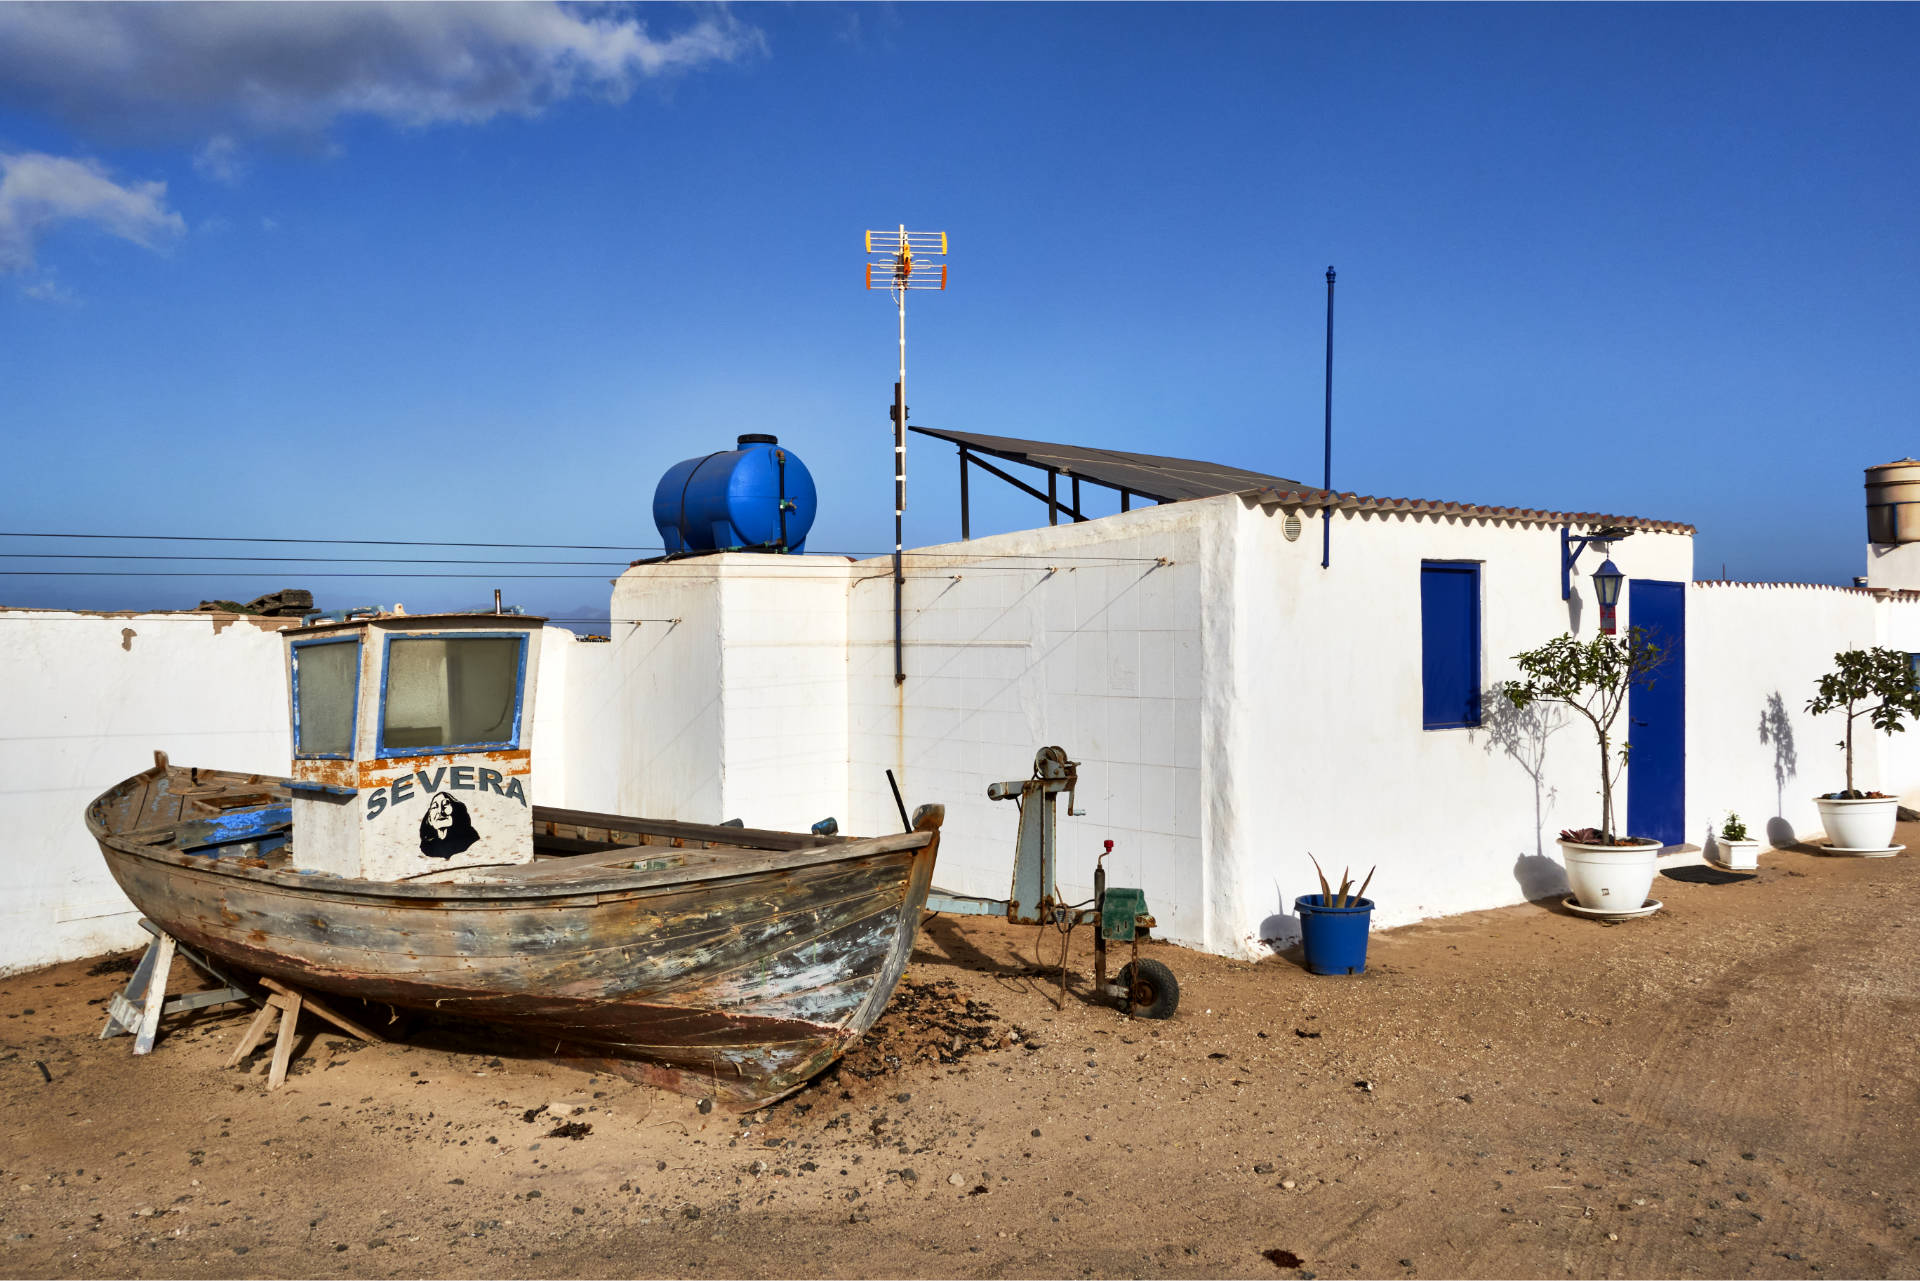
(1144, 987)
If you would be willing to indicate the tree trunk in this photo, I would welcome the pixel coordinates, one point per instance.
(1606, 792)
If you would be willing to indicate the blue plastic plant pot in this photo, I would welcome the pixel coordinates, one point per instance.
(1335, 937)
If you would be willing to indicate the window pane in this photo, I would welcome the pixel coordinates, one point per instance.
(451, 692)
(323, 689)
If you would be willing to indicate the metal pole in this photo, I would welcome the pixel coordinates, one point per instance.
(1326, 512)
(899, 488)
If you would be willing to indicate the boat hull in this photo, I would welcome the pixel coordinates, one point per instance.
(739, 987)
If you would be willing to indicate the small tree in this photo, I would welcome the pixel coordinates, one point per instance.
(1593, 678)
(1861, 676)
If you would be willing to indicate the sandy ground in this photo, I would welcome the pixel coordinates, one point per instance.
(1726, 1088)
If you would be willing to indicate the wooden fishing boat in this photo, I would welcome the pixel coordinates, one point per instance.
(719, 961)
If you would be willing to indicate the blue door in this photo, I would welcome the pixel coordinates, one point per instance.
(1657, 717)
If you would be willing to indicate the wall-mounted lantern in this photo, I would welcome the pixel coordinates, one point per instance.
(1606, 586)
(1570, 548)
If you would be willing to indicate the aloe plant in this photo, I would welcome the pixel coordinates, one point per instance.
(1342, 899)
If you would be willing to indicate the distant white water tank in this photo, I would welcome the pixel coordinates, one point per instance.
(1893, 502)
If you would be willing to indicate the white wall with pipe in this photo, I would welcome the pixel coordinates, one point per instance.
(1091, 637)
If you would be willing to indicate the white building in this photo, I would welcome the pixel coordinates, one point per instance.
(1234, 703)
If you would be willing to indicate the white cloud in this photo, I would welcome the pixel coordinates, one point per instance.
(47, 288)
(295, 68)
(39, 191)
(219, 159)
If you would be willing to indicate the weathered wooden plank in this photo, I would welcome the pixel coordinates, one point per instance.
(290, 1003)
(744, 837)
(327, 1012)
(262, 1019)
(161, 950)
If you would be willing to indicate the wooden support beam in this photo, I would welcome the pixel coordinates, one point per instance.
(287, 1003)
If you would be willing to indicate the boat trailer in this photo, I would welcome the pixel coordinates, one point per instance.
(1144, 987)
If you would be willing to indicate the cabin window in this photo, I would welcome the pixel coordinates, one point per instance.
(447, 692)
(1449, 643)
(326, 690)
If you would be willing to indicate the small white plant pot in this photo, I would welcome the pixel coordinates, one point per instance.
(1612, 878)
(1741, 856)
(1859, 825)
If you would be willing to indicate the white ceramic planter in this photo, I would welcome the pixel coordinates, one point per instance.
(1741, 856)
(1859, 825)
(1610, 877)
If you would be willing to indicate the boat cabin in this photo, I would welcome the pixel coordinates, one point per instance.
(412, 743)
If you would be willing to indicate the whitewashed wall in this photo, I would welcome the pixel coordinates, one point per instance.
(1328, 747)
(1078, 636)
(730, 699)
(85, 701)
(1754, 653)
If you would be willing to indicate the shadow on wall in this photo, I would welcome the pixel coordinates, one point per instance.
(1776, 730)
(1523, 736)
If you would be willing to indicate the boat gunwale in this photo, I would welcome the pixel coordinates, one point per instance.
(762, 862)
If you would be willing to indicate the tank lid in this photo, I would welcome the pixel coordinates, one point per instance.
(1904, 462)
(758, 438)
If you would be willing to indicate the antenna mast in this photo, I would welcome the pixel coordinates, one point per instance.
(892, 266)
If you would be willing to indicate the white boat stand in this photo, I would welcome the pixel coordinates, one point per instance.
(139, 1007)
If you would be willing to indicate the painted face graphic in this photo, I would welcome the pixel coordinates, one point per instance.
(440, 815)
(445, 827)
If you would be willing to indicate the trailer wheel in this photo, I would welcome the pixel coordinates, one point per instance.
(1152, 992)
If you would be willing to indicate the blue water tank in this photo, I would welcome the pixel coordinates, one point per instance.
(758, 497)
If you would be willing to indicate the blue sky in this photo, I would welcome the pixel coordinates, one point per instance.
(484, 274)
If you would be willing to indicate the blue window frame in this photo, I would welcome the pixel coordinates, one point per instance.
(455, 692)
(317, 719)
(1449, 644)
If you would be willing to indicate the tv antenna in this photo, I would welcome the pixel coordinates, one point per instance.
(894, 263)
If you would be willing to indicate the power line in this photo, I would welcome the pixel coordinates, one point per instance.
(356, 542)
(304, 560)
(399, 542)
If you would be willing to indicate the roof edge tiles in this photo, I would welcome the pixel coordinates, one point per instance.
(1317, 499)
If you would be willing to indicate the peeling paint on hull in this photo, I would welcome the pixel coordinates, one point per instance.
(739, 975)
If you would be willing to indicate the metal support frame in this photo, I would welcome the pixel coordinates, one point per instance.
(1571, 545)
(1023, 486)
(966, 531)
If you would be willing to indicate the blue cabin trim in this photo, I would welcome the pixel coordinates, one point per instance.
(383, 752)
(353, 723)
(1449, 644)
